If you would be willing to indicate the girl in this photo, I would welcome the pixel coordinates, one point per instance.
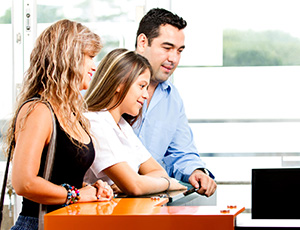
(115, 98)
(61, 64)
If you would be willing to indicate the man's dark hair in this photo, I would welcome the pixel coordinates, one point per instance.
(150, 23)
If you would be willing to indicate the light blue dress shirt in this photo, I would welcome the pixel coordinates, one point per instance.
(164, 130)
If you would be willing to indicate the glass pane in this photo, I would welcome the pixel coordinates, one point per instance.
(6, 63)
(113, 20)
(239, 78)
(240, 33)
(265, 92)
(203, 34)
(261, 33)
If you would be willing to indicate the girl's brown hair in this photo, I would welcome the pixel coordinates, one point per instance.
(118, 67)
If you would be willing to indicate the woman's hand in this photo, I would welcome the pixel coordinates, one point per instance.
(175, 185)
(88, 193)
(99, 191)
(104, 191)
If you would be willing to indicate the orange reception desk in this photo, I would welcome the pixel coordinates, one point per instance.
(141, 214)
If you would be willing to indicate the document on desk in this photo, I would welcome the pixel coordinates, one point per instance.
(172, 195)
(177, 195)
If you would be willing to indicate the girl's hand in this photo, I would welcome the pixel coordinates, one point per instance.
(116, 189)
(175, 185)
(104, 191)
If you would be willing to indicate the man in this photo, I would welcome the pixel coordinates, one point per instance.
(164, 128)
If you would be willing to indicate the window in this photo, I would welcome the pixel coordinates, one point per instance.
(239, 82)
(6, 80)
(114, 21)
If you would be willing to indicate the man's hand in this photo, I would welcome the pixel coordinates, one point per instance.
(208, 185)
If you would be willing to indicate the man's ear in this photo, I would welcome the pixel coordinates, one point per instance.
(142, 43)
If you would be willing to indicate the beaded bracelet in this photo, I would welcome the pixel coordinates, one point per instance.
(169, 183)
(73, 194)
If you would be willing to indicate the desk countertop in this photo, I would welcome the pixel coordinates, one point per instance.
(141, 213)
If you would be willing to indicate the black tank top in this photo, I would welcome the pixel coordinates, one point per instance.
(70, 165)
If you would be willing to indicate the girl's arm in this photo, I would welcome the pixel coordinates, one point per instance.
(153, 179)
(30, 141)
(152, 168)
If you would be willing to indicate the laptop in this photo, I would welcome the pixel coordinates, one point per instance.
(275, 193)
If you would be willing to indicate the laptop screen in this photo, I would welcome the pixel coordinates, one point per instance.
(276, 193)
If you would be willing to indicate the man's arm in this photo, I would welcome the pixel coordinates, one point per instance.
(181, 157)
(183, 162)
(165, 132)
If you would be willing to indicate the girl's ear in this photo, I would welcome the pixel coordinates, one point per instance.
(119, 88)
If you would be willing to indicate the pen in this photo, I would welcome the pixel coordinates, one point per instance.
(191, 191)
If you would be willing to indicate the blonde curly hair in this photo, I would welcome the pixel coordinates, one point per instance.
(56, 72)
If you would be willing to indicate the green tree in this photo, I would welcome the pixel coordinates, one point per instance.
(267, 48)
(6, 18)
(48, 14)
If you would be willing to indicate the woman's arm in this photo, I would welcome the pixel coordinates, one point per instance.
(30, 141)
(132, 183)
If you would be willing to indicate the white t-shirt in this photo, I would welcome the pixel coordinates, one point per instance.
(113, 145)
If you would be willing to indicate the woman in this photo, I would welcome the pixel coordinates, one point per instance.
(61, 64)
(115, 98)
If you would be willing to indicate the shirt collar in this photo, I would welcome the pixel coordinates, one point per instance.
(110, 119)
(166, 86)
